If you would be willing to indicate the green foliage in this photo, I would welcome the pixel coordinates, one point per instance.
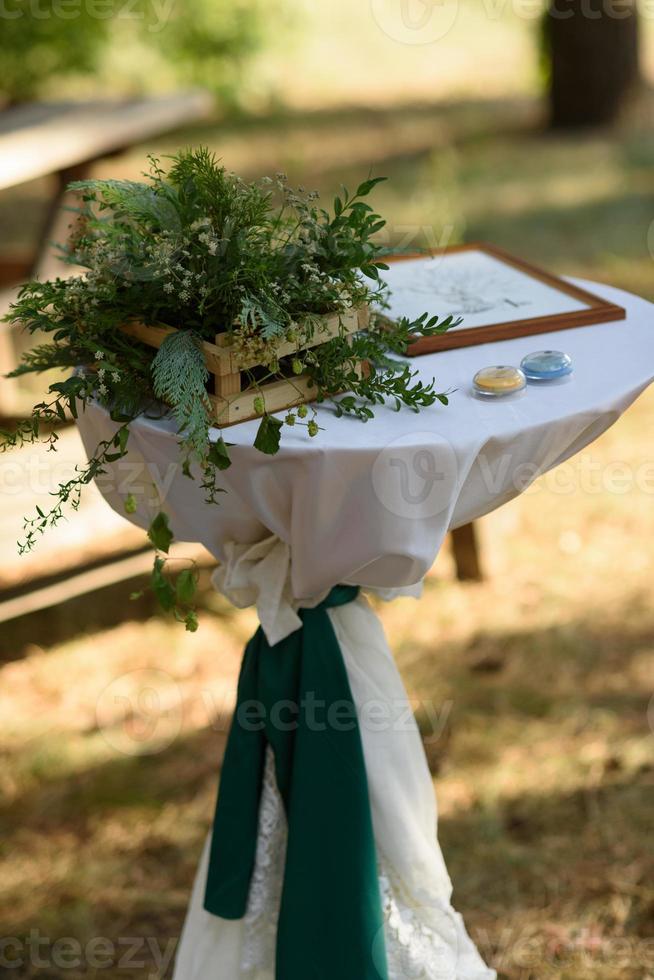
(268, 435)
(176, 596)
(33, 48)
(179, 378)
(159, 532)
(200, 250)
(210, 44)
(199, 42)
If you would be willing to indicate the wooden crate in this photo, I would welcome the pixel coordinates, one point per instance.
(232, 404)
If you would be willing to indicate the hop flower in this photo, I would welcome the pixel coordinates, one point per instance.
(312, 428)
(130, 504)
(297, 365)
(259, 405)
(302, 411)
(290, 419)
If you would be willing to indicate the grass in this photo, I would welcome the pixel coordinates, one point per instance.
(540, 678)
(540, 675)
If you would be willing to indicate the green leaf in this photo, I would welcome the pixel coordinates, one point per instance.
(191, 621)
(121, 437)
(159, 532)
(219, 455)
(186, 586)
(368, 185)
(161, 587)
(268, 435)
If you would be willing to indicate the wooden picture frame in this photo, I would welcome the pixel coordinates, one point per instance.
(596, 310)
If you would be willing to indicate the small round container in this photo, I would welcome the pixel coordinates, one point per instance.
(498, 381)
(546, 365)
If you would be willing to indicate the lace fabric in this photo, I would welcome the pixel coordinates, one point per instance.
(260, 923)
(425, 941)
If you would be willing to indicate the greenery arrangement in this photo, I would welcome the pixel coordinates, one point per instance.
(199, 249)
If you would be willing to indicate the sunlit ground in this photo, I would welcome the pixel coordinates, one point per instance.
(534, 689)
(540, 676)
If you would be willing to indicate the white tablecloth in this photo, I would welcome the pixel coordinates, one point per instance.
(370, 505)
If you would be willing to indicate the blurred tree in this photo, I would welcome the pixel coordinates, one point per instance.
(205, 42)
(38, 42)
(592, 59)
(209, 43)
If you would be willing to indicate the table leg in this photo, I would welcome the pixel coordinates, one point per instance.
(466, 554)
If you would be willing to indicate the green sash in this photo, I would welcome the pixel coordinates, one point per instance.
(295, 696)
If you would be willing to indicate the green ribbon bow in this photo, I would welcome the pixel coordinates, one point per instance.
(295, 696)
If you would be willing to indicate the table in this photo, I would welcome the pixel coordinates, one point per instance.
(369, 505)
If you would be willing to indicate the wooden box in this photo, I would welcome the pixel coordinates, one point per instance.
(232, 402)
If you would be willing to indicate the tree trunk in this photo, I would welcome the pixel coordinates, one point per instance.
(593, 52)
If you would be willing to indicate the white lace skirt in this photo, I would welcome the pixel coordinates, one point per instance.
(425, 939)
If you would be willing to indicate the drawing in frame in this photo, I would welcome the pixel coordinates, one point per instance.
(497, 295)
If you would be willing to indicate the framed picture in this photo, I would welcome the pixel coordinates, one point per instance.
(496, 295)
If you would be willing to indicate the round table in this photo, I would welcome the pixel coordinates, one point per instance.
(369, 505)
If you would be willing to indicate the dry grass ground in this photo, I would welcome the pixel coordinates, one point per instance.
(540, 679)
(541, 675)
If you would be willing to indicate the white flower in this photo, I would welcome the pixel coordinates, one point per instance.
(115, 377)
(103, 389)
(99, 354)
(101, 373)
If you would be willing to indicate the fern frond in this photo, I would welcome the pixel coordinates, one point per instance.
(179, 376)
(44, 358)
(254, 314)
(133, 199)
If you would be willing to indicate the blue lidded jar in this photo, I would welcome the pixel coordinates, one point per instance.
(546, 365)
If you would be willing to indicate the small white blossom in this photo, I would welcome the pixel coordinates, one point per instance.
(103, 389)
(99, 354)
